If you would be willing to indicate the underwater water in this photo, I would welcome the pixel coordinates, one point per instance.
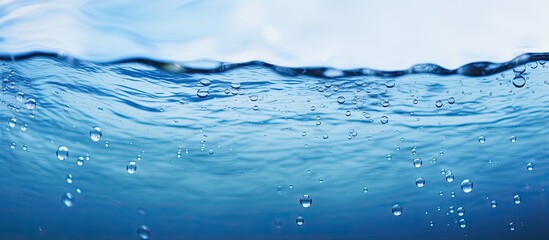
(151, 150)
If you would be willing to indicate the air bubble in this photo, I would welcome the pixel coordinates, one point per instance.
(300, 220)
(519, 81)
(530, 166)
(30, 103)
(493, 204)
(95, 134)
(517, 199)
(384, 120)
(69, 178)
(202, 93)
(62, 153)
(306, 201)
(481, 139)
(467, 186)
(131, 167)
(205, 82)
(438, 104)
(462, 223)
(420, 182)
(449, 177)
(460, 211)
(341, 99)
(143, 232)
(417, 162)
(12, 122)
(67, 199)
(397, 210)
(512, 226)
(390, 84)
(451, 100)
(513, 139)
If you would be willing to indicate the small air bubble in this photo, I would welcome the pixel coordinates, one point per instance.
(517, 199)
(438, 104)
(131, 167)
(306, 201)
(530, 166)
(519, 81)
(420, 182)
(384, 120)
(62, 153)
(397, 210)
(341, 99)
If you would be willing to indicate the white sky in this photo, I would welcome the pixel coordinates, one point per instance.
(385, 35)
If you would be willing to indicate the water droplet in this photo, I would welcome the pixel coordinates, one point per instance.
(389, 157)
(390, 84)
(384, 119)
(341, 99)
(462, 223)
(300, 220)
(420, 182)
(325, 136)
(431, 224)
(30, 103)
(69, 178)
(62, 153)
(512, 226)
(202, 93)
(306, 201)
(12, 146)
(78, 190)
(12, 122)
(397, 210)
(449, 176)
(481, 139)
(144, 232)
(205, 82)
(131, 167)
(365, 189)
(348, 113)
(417, 162)
(530, 166)
(519, 81)
(517, 199)
(452, 194)
(460, 211)
(313, 108)
(415, 101)
(211, 152)
(256, 107)
(254, 98)
(513, 139)
(467, 186)
(24, 127)
(451, 100)
(493, 204)
(67, 199)
(438, 104)
(95, 134)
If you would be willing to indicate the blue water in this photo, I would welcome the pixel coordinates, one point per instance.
(228, 154)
